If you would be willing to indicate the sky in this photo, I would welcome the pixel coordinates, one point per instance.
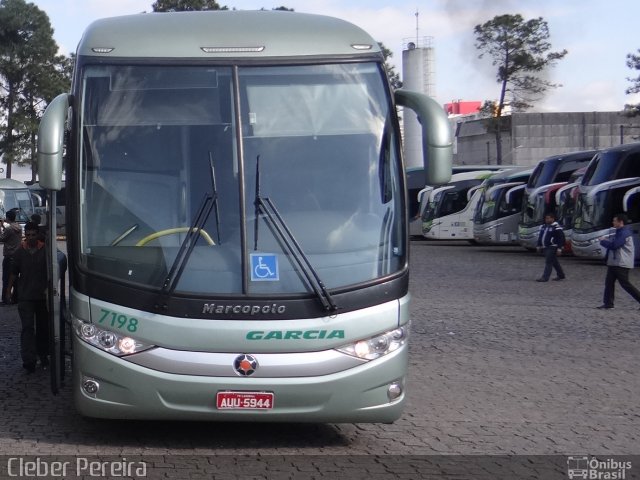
(598, 35)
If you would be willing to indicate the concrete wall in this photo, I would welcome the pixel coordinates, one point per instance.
(534, 136)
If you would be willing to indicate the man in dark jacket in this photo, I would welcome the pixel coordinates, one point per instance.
(551, 242)
(11, 236)
(620, 261)
(30, 273)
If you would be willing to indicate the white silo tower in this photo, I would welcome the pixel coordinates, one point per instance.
(418, 60)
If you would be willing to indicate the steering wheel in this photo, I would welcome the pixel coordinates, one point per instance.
(173, 231)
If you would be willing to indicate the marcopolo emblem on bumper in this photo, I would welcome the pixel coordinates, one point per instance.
(245, 365)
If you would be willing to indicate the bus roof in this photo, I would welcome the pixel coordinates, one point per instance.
(11, 184)
(225, 34)
(473, 168)
(513, 172)
(473, 175)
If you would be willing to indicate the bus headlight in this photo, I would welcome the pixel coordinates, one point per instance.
(108, 341)
(378, 346)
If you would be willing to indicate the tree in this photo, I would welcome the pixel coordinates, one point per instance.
(29, 73)
(45, 81)
(521, 51)
(633, 62)
(186, 5)
(394, 77)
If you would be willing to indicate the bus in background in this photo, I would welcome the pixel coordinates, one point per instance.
(601, 194)
(498, 210)
(417, 188)
(238, 238)
(39, 195)
(415, 181)
(549, 175)
(566, 205)
(448, 214)
(15, 195)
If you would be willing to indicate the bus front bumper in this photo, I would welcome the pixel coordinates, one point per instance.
(130, 391)
(588, 247)
(529, 237)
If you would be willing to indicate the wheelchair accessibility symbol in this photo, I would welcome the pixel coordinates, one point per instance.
(264, 267)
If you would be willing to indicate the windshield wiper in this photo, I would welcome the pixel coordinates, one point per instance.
(265, 206)
(189, 242)
(215, 196)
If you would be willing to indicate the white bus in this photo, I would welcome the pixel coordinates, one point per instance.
(448, 210)
(602, 193)
(238, 222)
(15, 195)
(417, 187)
(499, 208)
(548, 176)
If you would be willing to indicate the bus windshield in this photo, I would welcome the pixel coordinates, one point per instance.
(595, 215)
(168, 150)
(566, 208)
(494, 204)
(533, 210)
(17, 200)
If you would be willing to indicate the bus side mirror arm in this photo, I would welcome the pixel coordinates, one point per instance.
(437, 139)
(51, 142)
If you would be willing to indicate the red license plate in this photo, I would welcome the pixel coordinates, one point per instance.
(244, 400)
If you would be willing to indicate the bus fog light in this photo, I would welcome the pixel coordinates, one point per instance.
(394, 391)
(90, 386)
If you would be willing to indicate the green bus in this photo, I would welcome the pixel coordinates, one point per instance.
(237, 218)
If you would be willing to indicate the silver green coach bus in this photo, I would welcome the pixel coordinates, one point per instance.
(237, 212)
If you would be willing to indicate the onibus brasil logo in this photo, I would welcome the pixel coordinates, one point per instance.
(593, 468)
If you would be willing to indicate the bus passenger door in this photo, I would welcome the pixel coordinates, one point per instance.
(56, 323)
(51, 136)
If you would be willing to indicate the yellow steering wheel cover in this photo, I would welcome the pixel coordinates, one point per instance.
(172, 231)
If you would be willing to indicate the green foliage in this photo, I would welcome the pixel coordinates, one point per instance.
(31, 74)
(633, 62)
(521, 52)
(394, 77)
(186, 5)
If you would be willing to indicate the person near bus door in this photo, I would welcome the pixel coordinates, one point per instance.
(551, 242)
(620, 260)
(10, 236)
(29, 272)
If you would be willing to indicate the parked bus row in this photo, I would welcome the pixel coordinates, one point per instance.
(584, 189)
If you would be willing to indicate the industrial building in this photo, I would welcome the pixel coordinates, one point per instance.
(530, 137)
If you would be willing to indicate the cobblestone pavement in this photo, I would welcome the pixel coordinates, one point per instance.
(499, 365)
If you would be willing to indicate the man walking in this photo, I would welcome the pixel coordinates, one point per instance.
(30, 272)
(620, 260)
(550, 242)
